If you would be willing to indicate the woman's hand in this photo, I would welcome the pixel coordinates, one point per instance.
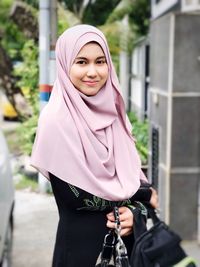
(154, 198)
(126, 221)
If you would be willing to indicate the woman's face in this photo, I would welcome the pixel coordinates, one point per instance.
(89, 71)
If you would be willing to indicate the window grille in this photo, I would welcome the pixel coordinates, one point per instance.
(155, 156)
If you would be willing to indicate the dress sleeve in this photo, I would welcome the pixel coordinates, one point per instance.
(144, 192)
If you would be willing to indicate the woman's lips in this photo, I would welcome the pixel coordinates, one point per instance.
(91, 83)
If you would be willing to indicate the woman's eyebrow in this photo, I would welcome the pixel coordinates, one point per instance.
(84, 58)
(78, 58)
(101, 57)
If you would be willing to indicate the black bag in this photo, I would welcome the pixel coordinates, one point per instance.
(158, 246)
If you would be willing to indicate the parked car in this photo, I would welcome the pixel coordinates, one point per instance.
(6, 204)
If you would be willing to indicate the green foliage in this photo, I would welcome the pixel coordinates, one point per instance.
(120, 11)
(104, 8)
(24, 182)
(140, 132)
(138, 12)
(65, 19)
(94, 13)
(33, 3)
(62, 26)
(12, 38)
(139, 16)
(73, 5)
(4, 11)
(112, 33)
(28, 73)
(12, 139)
(26, 134)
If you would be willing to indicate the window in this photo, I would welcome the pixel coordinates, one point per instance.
(189, 2)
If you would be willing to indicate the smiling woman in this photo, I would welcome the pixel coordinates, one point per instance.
(85, 148)
(89, 71)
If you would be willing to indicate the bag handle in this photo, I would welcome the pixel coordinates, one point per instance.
(140, 213)
(121, 256)
(108, 247)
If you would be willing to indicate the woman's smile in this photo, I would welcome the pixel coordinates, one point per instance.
(91, 83)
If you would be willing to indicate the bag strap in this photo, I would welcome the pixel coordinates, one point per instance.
(121, 256)
(106, 254)
(152, 214)
(140, 213)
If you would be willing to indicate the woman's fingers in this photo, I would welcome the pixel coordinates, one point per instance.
(124, 230)
(110, 217)
(124, 214)
(126, 220)
(110, 224)
(124, 224)
(154, 198)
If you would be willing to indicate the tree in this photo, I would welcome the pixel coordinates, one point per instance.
(87, 10)
(138, 12)
(25, 17)
(139, 16)
(11, 42)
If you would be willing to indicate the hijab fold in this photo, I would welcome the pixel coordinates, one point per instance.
(86, 141)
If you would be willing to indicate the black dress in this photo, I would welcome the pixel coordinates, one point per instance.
(82, 225)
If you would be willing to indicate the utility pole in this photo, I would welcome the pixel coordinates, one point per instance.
(53, 39)
(47, 40)
(124, 71)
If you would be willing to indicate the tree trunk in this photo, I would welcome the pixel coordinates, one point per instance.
(23, 15)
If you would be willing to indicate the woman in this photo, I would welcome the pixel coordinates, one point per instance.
(85, 148)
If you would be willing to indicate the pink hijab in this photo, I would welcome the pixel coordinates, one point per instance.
(86, 141)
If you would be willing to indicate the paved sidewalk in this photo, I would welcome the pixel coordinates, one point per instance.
(193, 250)
(35, 229)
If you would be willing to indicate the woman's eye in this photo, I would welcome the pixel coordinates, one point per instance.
(81, 62)
(102, 61)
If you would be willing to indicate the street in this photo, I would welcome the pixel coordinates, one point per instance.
(35, 229)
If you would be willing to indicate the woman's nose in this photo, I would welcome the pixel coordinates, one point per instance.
(91, 72)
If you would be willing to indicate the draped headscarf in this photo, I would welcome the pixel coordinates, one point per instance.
(86, 140)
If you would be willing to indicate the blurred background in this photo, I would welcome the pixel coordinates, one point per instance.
(155, 46)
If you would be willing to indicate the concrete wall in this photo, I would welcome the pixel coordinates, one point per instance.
(137, 97)
(140, 78)
(175, 110)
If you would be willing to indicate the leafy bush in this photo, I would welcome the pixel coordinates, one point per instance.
(26, 132)
(140, 132)
(28, 73)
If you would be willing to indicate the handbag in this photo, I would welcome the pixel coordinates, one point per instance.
(158, 246)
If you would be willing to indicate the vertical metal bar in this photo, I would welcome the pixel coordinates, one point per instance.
(53, 27)
(44, 44)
